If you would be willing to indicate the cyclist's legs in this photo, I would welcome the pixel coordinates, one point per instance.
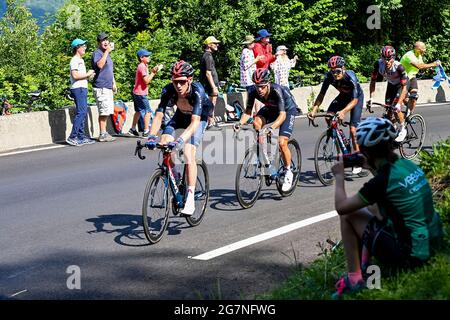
(190, 150)
(393, 92)
(355, 119)
(285, 133)
(413, 90)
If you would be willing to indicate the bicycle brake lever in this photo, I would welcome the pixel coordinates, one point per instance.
(311, 122)
(138, 149)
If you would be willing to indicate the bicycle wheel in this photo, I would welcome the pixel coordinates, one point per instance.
(325, 153)
(201, 195)
(296, 165)
(415, 137)
(155, 207)
(248, 181)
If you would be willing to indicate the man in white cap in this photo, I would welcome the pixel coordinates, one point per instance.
(282, 66)
(208, 74)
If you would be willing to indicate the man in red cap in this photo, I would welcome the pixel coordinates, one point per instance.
(263, 49)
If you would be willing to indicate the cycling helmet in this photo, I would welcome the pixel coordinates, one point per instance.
(261, 76)
(181, 69)
(373, 130)
(388, 52)
(336, 62)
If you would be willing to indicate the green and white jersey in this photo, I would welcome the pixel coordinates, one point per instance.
(406, 60)
(404, 197)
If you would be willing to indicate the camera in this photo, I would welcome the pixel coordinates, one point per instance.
(355, 159)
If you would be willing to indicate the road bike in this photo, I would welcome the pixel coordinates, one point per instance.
(6, 108)
(411, 146)
(165, 191)
(329, 145)
(261, 164)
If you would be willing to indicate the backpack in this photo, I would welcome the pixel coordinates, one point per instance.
(234, 111)
(119, 116)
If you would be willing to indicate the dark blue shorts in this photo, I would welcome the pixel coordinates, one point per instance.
(271, 114)
(182, 121)
(341, 101)
(141, 103)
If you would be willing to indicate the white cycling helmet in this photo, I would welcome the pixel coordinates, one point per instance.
(373, 130)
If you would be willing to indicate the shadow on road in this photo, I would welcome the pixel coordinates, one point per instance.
(129, 230)
(225, 199)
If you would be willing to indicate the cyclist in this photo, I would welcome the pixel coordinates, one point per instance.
(279, 109)
(405, 230)
(413, 62)
(350, 98)
(388, 68)
(193, 109)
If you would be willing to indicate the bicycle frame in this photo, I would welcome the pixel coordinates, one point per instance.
(165, 165)
(333, 128)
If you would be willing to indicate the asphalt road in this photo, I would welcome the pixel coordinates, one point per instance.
(81, 207)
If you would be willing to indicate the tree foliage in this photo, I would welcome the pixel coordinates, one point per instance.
(312, 29)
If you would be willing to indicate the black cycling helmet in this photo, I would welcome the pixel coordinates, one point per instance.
(373, 131)
(388, 52)
(336, 62)
(261, 76)
(181, 69)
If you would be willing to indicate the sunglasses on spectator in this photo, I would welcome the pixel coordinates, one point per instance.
(336, 71)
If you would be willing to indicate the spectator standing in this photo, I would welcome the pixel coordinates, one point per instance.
(282, 66)
(79, 91)
(208, 74)
(248, 62)
(104, 85)
(263, 48)
(140, 92)
(413, 62)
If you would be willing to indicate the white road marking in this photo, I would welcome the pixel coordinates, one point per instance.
(31, 150)
(17, 293)
(264, 236)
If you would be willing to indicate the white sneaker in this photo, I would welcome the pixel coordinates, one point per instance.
(287, 184)
(189, 206)
(356, 170)
(402, 134)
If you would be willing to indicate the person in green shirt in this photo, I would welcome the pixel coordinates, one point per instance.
(413, 62)
(392, 217)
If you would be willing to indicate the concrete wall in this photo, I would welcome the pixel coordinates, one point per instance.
(40, 128)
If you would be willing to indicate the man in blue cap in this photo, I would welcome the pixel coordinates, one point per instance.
(79, 92)
(263, 49)
(140, 92)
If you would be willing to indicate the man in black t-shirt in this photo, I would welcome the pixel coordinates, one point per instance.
(208, 73)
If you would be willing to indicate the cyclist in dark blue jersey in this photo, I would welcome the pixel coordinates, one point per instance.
(350, 98)
(279, 110)
(192, 110)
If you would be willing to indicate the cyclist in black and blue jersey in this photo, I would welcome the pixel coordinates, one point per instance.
(350, 98)
(192, 110)
(279, 109)
(392, 217)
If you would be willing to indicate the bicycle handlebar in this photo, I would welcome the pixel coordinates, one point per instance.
(333, 117)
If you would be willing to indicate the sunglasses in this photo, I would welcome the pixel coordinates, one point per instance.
(388, 59)
(336, 71)
(261, 86)
(180, 82)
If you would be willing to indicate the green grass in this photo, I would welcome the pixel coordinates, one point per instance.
(430, 282)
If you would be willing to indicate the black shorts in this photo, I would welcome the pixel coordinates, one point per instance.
(341, 101)
(412, 84)
(382, 244)
(393, 92)
(271, 114)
